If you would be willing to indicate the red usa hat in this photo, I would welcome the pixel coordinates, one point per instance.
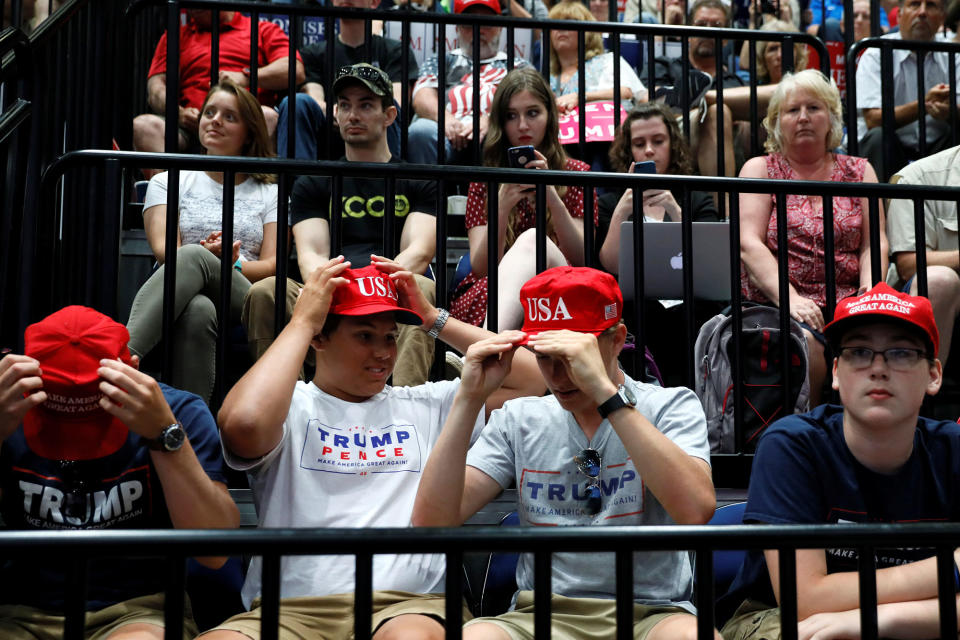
(884, 303)
(574, 298)
(69, 344)
(370, 291)
(459, 6)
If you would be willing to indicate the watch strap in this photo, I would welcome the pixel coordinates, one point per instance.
(442, 316)
(611, 404)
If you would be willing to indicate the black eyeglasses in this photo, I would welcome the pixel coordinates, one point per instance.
(897, 358)
(590, 463)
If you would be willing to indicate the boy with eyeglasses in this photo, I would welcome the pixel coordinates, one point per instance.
(871, 460)
(603, 449)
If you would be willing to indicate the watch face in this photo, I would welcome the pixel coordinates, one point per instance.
(173, 437)
(628, 396)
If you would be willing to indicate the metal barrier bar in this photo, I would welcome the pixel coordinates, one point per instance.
(453, 617)
(173, 608)
(624, 578)
(83, 546)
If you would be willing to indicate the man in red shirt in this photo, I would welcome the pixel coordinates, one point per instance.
(195, 63)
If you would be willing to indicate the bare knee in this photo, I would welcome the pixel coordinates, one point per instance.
(137, 631)
(410, 627)
(272, 117)
(682, 626)
(223, 634)
(485, 631)
(148, 130)
(943, 285)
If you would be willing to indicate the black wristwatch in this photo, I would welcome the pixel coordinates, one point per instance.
(170, 439)
(622, 398)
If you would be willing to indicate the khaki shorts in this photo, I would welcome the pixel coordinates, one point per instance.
(753, 620)
(331, 617)
(18, 622)
(579, 618)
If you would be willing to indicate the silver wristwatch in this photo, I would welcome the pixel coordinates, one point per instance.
(170, 439)
(442, 316)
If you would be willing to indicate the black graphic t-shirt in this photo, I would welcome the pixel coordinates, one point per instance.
(361, 211)
(804, 473)
(119, 491)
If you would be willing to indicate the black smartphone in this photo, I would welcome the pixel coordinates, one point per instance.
(647, 166)
(518, 157)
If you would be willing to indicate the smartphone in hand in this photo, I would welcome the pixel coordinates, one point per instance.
(647, 166)
(518, 157)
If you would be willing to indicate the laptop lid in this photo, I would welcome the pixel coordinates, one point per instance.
(663, 260)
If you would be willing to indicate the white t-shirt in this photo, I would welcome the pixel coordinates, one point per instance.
(349, 464)
(533, 442)
(201, 208)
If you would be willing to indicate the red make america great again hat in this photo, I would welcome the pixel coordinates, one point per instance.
(69, 345)
(573, 298)
(884, 303)
(370, 291)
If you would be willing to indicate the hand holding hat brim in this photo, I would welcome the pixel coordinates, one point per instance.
(313, 303)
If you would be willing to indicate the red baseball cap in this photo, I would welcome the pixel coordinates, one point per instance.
(884, 303)
(69, 344)
(459, 6)
(370, 291)
(574, 298)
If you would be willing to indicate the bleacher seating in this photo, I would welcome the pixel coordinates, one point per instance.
(65, 229)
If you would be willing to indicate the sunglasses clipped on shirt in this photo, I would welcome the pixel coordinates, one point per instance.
(590, 463)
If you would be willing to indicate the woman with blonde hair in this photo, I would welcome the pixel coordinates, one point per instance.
(804, 125)
(598, 64)
(231, 124)
(523, 113)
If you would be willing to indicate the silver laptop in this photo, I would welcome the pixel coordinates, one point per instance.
(663, 260)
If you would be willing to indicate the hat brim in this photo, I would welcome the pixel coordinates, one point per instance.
(344, 81)
(403, 316)
(55, 437)
(533, 333)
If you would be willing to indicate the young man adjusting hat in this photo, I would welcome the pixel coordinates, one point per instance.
(871, 460)
(603, 449)
(347, 450)
(103, 446)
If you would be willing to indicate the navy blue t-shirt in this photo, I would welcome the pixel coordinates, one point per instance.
(119, 491)
(804, 473)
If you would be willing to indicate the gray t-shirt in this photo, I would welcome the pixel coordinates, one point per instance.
(533, 442)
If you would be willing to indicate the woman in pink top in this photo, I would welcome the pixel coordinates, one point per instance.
(803, 127)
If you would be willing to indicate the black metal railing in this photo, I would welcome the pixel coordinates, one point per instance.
(79, 548)
(110, 165)
(921, 50)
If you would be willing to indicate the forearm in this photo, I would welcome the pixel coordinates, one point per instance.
(607, 94)
(274, 75)
(610, 251)
(907, 261)
(680, 482)
(524, 378)
(425, 103)
(308, 260)
(919, 620)
(193, 499)
(440, 495)
(836, 592)
(569, 232)
(251, 419)
(415, 258)
(157, 93)
(902, 115)
(254, 270)
(738, 100)
(762, 270)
